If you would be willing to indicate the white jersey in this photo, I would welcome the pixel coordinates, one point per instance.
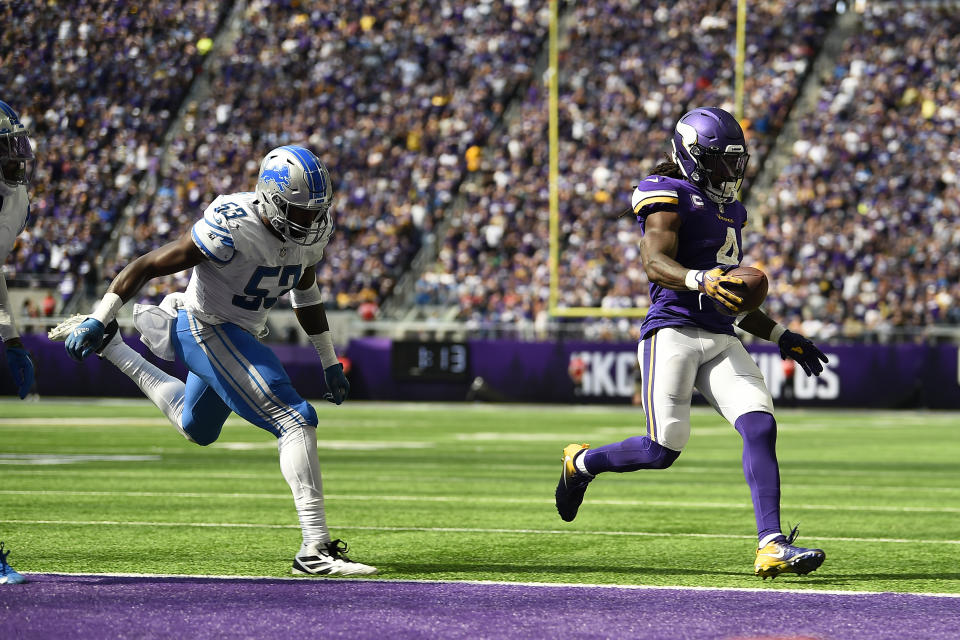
(248, 267)
(14, 209)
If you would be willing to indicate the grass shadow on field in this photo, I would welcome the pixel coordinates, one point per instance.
(951, 580)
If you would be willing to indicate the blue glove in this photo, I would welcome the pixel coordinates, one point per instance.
(336, 383)
(21, 368)
(85, 339)
(796, 347)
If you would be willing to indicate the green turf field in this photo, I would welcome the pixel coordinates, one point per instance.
(465, 492)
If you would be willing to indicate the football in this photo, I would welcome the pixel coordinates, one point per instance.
(753, 290)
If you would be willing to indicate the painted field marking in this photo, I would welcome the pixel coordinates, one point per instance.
(736, 478)
(471, 499)
(70, 458)
(340, 445)
(471, 530)
(505, 583)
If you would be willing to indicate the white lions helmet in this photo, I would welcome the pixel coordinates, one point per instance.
(16, 154)
(295, 190)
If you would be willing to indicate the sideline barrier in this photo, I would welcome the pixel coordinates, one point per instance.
(869, 376)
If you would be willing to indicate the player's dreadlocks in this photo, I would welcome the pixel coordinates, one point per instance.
(668, 169)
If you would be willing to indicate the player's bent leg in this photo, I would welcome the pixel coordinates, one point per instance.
(632, 454)
(164, 390)
(252, 382)
(204, 412)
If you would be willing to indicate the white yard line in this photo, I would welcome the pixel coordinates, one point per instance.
(473, 499)
(471, 530)
(506, 583)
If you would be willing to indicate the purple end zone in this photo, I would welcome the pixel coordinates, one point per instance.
(62, 606)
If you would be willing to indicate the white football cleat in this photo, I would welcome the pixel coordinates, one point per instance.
(7, 573)
(329, 559)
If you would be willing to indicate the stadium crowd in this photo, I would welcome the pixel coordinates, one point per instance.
(625, 78)
(404, 102)
(394, 97)
(861, 231)
(98, 83)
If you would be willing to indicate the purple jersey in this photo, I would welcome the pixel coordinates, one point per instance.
(709, 236)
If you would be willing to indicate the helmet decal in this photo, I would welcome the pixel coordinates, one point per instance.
(279, 176)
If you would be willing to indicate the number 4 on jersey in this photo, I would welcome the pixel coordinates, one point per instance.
(729, 253)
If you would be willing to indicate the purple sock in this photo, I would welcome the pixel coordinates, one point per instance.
(759, 431)
(633, 453)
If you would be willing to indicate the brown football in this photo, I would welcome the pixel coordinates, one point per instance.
(753, 290)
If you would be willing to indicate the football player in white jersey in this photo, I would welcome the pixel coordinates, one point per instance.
(247, 251)
(16, 167)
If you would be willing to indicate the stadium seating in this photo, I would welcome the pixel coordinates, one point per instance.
(98, 83)
(434, 125)
(390, 95)
(626, 77)
(861, 227)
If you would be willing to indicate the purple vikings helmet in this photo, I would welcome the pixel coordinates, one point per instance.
(711, 151)
(16, 154)
(296, 192)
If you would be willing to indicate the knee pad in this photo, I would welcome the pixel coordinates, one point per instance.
(756, 426)
(309, 414)
(665, 457)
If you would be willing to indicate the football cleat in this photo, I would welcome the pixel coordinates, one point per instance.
(573, 483)
(63, 330)
(782, 557)
(329, 559)
(7, 573)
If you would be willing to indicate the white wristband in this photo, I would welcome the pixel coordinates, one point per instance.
(323, 343)
(776, 332)
(108, 308)
(691, 280)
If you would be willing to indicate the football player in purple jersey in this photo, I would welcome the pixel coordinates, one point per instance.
(691, 222)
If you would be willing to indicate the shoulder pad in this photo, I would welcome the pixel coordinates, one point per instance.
(653, 194)
(212, 235)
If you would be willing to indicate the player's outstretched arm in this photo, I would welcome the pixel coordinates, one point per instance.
(312, 315)
(658, 250)
(170, 258)
(792, 345)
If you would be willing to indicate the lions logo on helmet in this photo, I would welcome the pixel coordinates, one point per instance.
(295, 189)
(16, 154)
(711, 151)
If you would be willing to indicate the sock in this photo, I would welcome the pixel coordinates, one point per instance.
(301, 469)
(162, 389)
(578, 462)
(772, 537)
(759, 432)
(630, 455)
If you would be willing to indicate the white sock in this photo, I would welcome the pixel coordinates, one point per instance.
(164, 390)
(767, 539)
(579, 463)
(301, 469)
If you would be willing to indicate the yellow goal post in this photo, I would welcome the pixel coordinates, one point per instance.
(553, 82)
